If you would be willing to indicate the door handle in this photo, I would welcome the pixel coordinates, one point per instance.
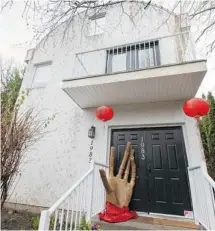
(149, 168)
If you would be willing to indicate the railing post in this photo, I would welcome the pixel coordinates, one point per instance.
(44, 220)
(209, 200)
(192, 47)
(90, 205)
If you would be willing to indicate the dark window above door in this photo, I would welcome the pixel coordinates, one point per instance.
(133, 57)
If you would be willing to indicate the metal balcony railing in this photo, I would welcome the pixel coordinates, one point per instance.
(167, 50)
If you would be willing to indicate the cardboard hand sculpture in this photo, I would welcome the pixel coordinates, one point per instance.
(118, 189)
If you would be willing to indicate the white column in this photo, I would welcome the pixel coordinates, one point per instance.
(44, 220)
(89, 210)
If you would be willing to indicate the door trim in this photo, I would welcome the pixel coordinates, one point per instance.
(158, 125)
(185, 145)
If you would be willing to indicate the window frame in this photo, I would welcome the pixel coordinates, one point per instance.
(132, 62)
(39, 84)
(93, 18)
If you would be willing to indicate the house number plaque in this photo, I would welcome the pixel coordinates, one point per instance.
(91, 151)
(142, 151)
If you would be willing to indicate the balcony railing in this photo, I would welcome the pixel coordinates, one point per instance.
(167, 50)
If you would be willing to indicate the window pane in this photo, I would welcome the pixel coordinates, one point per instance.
(97, 26)
(92, 27)
(119, 62)
(42, 74)
(133, 57)
(146, 58)
(100, 24)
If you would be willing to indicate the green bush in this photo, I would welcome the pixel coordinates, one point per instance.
(51, 226)
(36, 222)
(84, 225)
(207, 129)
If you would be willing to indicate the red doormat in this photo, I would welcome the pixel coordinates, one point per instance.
(114, 214)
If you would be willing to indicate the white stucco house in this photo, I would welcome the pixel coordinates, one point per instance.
(144, 71)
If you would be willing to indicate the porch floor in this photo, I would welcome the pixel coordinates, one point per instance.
(149, 223)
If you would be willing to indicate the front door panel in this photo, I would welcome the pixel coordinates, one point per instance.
(169, 192)
(161, 182)
(120, 138)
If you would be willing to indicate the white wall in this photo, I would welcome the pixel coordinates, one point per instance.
(58, 160)
(119, 30)
(61, 157)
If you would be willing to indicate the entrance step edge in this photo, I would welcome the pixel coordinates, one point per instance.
(143, 223)
(167, 221)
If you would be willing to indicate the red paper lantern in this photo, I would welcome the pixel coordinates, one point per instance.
(196, 107)
(104, 113)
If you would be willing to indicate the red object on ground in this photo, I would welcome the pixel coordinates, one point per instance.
(104, 113)
(114, 214)
(196, 107)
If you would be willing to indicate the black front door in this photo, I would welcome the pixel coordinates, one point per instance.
(161, 181)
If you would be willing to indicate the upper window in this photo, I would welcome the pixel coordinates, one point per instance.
(132, 57)
(97, 24)
(42, 75)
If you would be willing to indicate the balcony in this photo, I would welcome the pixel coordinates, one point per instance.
(162, 69)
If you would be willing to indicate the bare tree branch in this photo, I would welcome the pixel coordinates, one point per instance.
(211, 46)
(200, 12)
(205, 29)
(6, 4)
(56, 13)
(20, 129)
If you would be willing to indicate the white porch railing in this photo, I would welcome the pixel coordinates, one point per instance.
(87, 198)
(154, 52)
(84, 199)
(204, 199)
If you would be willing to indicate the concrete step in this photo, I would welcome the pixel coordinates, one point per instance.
(149, 223)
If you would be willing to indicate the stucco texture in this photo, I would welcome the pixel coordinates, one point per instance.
(61, 157)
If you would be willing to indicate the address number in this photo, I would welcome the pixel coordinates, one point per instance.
(142, 150)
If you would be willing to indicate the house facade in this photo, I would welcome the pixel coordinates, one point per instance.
(144, 70)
